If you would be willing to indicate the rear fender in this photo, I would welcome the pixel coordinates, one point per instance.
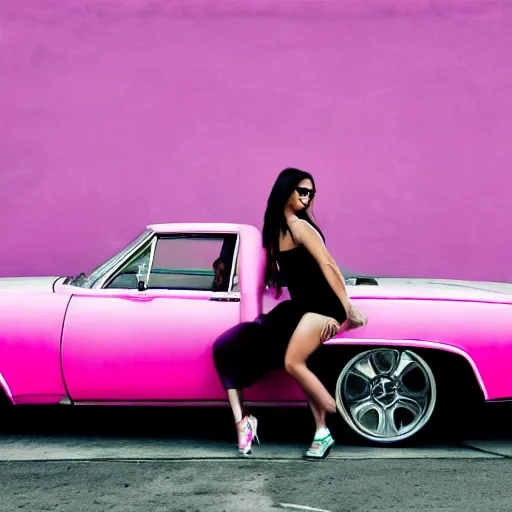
(368, 343)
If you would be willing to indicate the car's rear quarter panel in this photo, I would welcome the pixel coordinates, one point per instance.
(479, 331)
(30, 334)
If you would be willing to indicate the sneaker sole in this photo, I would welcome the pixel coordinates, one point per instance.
(255, 431)
(319, 457)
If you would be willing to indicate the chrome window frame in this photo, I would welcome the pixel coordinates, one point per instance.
(151, 258)
(233, 265)
(152, 240)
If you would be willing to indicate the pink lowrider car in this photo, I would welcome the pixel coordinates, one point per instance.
(139, 329)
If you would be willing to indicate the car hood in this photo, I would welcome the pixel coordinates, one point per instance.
(43, 284)
(444, 289)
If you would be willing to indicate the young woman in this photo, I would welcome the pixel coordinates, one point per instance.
(319, 309)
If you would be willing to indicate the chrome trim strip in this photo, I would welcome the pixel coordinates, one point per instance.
(189, 403)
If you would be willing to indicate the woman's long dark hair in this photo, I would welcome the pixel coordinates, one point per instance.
(275, 225)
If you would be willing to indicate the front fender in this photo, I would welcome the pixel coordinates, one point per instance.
(30, 338)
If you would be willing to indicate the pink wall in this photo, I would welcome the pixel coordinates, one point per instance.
(116, 114)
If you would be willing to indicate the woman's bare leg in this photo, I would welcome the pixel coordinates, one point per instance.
(304, 341)
(235, 401)
(318, 415)
(244, 428)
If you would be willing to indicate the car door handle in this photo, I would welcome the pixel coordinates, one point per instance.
(225, 298)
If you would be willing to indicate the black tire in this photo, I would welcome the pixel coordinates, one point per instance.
(460, 399)
(5, 412)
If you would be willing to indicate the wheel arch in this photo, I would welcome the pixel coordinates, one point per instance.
(450, 366)
(436, 353)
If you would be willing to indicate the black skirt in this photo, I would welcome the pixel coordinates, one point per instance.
(248, 351)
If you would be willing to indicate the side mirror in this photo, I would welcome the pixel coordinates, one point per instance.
(141, 273)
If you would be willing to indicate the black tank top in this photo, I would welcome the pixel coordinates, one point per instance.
(307, 284)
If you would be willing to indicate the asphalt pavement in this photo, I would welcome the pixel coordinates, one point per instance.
(185, 460)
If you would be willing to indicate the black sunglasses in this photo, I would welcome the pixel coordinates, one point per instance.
(304, 191)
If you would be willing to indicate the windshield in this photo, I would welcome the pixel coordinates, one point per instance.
(96, 275)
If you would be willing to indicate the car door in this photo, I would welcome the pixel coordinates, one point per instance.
(124, 345)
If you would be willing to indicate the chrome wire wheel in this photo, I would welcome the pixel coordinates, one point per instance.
(386, 395)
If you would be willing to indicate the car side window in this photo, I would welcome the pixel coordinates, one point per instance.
(182, 262)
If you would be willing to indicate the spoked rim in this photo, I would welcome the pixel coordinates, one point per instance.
(386, 395)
